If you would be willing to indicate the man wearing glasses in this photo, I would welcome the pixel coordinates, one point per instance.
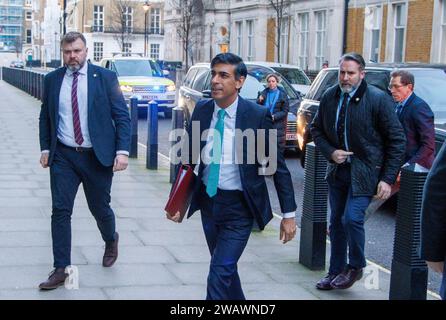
(416, 118)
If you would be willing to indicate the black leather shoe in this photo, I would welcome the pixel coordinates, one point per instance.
(347, 278)
(56, 279)
(111, 252)
(325, 283)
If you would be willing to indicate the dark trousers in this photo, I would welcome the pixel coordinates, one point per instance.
(227, 224)
(68, 169)
(346, 222)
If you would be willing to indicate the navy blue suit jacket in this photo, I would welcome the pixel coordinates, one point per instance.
(417, 120)
(249, 116)
(108, 116)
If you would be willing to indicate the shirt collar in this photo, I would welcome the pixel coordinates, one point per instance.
(82, 70)
(231, 111)
(403, 103)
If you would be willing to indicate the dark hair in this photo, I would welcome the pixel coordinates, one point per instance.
(274, 75)
(406, 77)
(71, 37)
(232, 59)
(353, 56)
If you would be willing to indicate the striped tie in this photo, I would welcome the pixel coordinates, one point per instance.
(76, 121)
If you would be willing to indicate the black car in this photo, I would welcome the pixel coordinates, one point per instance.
(197, 86)
(430, 81)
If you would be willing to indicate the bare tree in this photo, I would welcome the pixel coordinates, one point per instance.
(121, 28)
(280, 6)
(17, 43)
(191, 11)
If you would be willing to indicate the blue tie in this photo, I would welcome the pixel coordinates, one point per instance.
(214, 166)
(399, 108)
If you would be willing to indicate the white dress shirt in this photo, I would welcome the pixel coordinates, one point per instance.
(229, 175)
(65, 130)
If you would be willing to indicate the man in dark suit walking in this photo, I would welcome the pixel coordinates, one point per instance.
(416, 118)
(357, 131)
(433, 227)
(232, 194)
(84, 137)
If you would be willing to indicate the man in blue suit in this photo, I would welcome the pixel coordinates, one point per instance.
(416, 118)
(232, 194)
(84, 137)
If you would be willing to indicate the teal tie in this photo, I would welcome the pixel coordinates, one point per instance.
(214, 166)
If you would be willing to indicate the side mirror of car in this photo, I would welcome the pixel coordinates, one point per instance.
(166, 73)
(207, 94)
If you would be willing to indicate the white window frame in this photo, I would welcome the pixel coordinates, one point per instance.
(239, 37)
(321, 36)
(303, 39)
(30, 18)
(98, 51)
(128, 18)
(284, 41)
(155, 51)
(250, 50)
(98, 18)
(372, 26)
(395, 27)
(155, 20)
(29, 37)
(127, 46)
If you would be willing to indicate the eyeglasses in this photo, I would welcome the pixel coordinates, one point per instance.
(396, 86)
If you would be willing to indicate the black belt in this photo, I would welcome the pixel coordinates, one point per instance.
(77, 149)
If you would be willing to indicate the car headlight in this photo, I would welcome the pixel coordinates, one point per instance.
(171, 88)
(125, 88)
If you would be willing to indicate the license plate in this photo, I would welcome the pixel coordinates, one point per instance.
(291, 136)
(149, 97)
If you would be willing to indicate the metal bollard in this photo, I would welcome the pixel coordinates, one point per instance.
(408, 280)
(177, 123)
(152, 136)
(313, 234)
(134, 127)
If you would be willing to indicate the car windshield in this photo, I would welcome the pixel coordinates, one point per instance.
(429, 85)
(137, 68)
(260, 74)
(294, 76)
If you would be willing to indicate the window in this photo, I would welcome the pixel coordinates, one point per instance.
(127, 47)
(250, 27)
(128, 18)
(98, 18)
(29, 3)
(200, 79)
(155, 21)
(443, 32)
(400, 27)
(29, 15)
(155, 51)
(28, 36)
(320, 38)
(239, 34)
(98, 51)
(284, 41)
(373, 23)
(303, 40)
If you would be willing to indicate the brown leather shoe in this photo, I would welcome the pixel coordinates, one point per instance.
(111, 252)
(325, 282)
(56, 279)
(347, 278)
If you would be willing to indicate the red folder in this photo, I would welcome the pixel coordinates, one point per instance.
(181, 193)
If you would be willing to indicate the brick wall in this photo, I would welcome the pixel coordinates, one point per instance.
(419, 30)
(270, 40)
(382, 56)
(355, 29)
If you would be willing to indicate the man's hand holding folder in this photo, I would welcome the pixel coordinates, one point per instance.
(181, 194)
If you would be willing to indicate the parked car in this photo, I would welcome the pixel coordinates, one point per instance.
(430, 82)
(295, 76)
(197, 86)
(17, 64)
(142, 77)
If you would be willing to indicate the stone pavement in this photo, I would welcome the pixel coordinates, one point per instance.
(158, 258)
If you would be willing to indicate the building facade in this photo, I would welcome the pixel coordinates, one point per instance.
(314, 31)
(112, 26)
(11, 25)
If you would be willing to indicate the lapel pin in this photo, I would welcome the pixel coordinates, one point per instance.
(357, 99)
(94, 75)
